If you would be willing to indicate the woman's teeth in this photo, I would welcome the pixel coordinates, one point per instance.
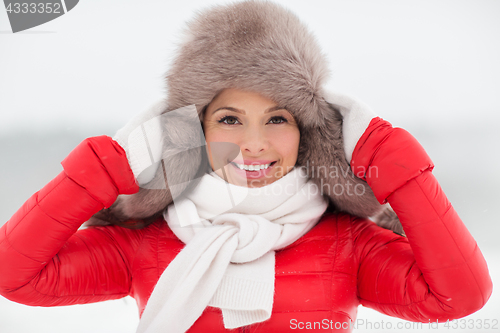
(252, 167)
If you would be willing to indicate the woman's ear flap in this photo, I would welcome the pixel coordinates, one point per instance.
(356, 116)
(182, 162)
(321, 151)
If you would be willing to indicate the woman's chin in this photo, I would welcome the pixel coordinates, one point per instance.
(253, 183)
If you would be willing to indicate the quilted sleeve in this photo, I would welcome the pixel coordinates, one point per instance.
(44, 260)
(438, 271)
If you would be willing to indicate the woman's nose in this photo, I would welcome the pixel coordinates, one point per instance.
(254, 141)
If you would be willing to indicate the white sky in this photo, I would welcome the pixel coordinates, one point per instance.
(411, 61)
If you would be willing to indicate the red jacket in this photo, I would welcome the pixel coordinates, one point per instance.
(437, 273)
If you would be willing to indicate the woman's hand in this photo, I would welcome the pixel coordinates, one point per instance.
(359, 121)
(99, 164)
(384, 156)
(139, 141)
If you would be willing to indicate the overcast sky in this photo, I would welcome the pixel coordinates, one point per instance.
(411, 61)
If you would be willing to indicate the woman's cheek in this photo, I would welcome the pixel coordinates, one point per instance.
(214, 133)
(287, 140)
(218, 148)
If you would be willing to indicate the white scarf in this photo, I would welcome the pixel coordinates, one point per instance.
(231, 233)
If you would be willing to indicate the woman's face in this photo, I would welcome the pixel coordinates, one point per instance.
(253, 138)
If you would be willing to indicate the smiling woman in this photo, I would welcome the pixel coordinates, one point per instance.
(267, 137)
(258, 239)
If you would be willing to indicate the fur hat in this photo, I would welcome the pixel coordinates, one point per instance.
(261, 47)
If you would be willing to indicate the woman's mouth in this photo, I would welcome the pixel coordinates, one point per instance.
(253, 171)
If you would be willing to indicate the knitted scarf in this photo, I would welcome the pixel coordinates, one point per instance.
(231, 233)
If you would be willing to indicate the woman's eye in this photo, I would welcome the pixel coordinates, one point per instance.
(278, 120)
(229, 120)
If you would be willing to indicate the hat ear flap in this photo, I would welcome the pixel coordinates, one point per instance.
(321, 151)
(184, 162)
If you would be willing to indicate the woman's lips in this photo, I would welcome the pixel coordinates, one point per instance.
(255, 174)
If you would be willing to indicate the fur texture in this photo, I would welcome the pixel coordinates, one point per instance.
(261, 47)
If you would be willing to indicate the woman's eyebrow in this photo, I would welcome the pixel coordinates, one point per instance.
(230, 108)
(275, 108)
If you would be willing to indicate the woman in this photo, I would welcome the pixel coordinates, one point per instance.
(296, 258)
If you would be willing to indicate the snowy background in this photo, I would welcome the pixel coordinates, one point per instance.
(429, 66)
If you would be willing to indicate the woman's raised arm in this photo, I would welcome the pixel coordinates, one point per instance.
(438, 271)
(44, 260)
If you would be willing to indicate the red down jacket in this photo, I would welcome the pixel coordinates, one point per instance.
(436, 273)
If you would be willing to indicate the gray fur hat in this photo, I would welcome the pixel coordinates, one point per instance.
(262, 47)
